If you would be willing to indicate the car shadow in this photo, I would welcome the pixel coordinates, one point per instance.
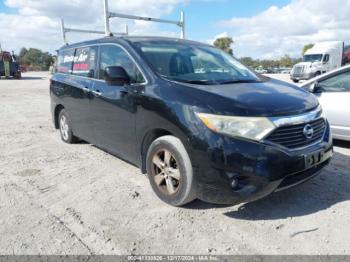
(23, 78)
(330, 187)
(199, 204)
(341, 143)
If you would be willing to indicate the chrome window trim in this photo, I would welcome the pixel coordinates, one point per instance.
(101, 80)
(297, 119)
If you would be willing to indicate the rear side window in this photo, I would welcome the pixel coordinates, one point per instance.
(65, 61)
(85, 61)
(111, 55)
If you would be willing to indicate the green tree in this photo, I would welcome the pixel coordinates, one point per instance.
(35, 58)
(21, 54)
(224, 43)
(248, 61)
(286, 61)
(306, 47)
(32, 57)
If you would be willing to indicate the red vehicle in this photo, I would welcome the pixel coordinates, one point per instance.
(346, 55)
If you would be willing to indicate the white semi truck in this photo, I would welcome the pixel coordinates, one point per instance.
(319, 59)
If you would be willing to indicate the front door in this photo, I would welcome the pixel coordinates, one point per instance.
(334, 97)
(114, 107)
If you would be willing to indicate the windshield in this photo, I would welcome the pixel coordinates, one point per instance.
(312, 58)
(194, 63)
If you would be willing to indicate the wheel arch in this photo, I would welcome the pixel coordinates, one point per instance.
(147, 140)
(155, 133)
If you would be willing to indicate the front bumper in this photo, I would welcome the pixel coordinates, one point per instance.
(259, 169)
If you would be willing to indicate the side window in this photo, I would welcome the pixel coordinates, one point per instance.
(64, 61)
(111, 55)
(326, 58)
(85, 61)
(338, 83)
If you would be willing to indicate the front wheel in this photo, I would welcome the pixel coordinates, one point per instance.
(295, 80)
(66, 128)
(170, 171)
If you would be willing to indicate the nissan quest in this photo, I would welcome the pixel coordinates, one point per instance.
(194, 119)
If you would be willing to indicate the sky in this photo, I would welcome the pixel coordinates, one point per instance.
(264, 29)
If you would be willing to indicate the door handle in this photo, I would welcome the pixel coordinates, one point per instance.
(96, 92)
(85, 89)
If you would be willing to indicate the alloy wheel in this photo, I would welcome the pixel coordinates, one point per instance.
(166, 173)
(64, 127)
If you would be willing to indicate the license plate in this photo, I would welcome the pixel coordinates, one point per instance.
(314, 159)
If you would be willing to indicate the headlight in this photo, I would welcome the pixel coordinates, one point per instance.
(255, 128)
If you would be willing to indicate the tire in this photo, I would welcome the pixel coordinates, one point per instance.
(18, 75)
(65, 128)
(171, 177)
(295, 80)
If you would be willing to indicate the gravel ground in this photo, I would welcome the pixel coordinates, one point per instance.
(76, 199)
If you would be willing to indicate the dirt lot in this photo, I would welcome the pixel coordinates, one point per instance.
(76, 199)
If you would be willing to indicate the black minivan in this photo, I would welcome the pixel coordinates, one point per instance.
(192, 117)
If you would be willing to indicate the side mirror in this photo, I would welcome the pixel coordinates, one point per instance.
(315, 87)
(116, 75)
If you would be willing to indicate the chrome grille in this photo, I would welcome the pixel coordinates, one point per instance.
(293, 137)
(298, 70)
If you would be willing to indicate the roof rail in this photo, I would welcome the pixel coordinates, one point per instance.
(66, 30)
(109, 15)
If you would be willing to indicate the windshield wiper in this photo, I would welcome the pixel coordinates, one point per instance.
(195, 82)
(238, 81)
(198, 82)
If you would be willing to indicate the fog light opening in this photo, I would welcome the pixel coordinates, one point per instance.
(234, 183)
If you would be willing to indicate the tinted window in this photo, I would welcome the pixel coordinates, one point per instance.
(326, 58)
(338, 83)
(85, 61)
(111, 55)
(194, 63)
(64, 61)
(312, 58)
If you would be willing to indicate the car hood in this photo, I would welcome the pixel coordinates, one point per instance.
(268, 98)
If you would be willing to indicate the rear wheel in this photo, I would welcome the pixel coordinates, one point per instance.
(295, 80)
(66, 128)
(170, 171)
